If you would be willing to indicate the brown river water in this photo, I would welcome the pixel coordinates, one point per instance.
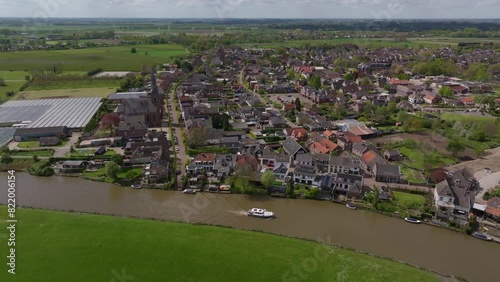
(426, 246)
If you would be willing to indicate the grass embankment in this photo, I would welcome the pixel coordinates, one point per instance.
(109, 58)
(17, 165)
(96, 248)
(36, 144)
(41, 153)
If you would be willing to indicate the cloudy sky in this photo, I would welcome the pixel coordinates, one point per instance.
(378, 9)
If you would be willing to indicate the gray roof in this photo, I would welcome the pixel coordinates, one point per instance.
(306, 170)
(342, 161)
(305, 158)
(6, 134)
(137, 106)
(283, 157)
(71, 112)
(268, 153)
(291, 146)
(388, 170)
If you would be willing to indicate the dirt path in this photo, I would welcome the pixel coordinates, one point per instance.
(490, 160)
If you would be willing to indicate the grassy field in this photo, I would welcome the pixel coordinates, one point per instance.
(36, 144)
(66, 93)
(407, 200)
(17, 165)
(98, 248)
(489, 125)
(43, 153)
(109, 58)
(376, 42)
(13, 80)
(72, 82)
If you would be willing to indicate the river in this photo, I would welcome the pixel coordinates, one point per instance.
(429, 247)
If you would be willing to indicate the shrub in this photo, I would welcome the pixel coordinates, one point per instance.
(41, 168)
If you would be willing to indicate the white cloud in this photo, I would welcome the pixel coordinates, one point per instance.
(251, 8)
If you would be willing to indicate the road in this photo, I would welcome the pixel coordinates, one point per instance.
(176, 126)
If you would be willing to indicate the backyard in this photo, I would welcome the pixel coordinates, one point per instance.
(121, 177)
(408, 201)
(36, 144)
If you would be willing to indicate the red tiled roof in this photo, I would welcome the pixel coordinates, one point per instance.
(328, 144)
(352, 137)
(493, 206)
(395, 81)
(467, 100)
(248, 160)
(204, 157)
(369, 156)
(360, 130)
(328, 133)
(316, 147)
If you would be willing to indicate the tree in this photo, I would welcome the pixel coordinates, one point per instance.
(480, 152)
(109, 121)
(196, 137)
(268, 179)
(365, 81)
(35, 158)
(313, 193)
(133, 50)
(2, 82)
(446, 92)
(298, 104)
(315, 81)
(6, 158)
(117, 158)
(349, 76)
(455, 147)
(112, 169)
(290, 189)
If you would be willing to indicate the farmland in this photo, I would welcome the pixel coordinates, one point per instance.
(66, 93)
(13, 80)
(88, 247)
(109, 58)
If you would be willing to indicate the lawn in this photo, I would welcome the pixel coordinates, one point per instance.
(109, 58)
(66, 93)
(42, 153)
(17, 165)
(102, 248)
(13, 80)
(85, 153)
(36, 144)
(421, 159)
(100, 174)
(407, 200)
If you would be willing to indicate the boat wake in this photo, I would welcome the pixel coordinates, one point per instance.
(240, 212)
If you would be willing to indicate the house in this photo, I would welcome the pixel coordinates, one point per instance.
(69, 166)
(405, 105)
(233, 143)
(30, 134)
(247, 161)
(386, 173)
(454, 196)
(415, 99)
(343, 164)
(304, 159)
(368, 161)
(467, 101)
(144, 109)
(157, 171)
(100, 151)
(493, 208)
(393, 155)
(48, 141)
(146, 154)
(277, 122)
(348, 184)
(297, 133)
(292, 147)
(431, 99)
(202, 162)
(305, 174)
(224, 164)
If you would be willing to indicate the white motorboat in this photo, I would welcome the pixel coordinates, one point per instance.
(262, 213)
(137, 186)
(189, 191)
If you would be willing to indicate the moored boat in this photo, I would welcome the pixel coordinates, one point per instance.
(351, 206)
(412, 220)
(482, 236)
(189, 191)
(262, 213)
(137, 186)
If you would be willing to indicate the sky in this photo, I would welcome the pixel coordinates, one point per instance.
(372, 9)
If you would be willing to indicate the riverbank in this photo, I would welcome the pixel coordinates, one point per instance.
(191, 252)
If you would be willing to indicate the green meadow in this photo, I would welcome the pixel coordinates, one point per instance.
(59, 246)
(117, 58)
